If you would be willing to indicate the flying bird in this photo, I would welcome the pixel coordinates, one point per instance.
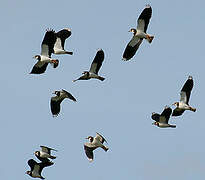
(36, 168)
(61, 36)
(94, 142)
(56, 101)
(185, 93)
(44, 154)
(45, 57)
(161, 120)
(139, 34)
(95, 66)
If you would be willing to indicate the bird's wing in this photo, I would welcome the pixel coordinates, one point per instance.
(32, 163)
(89, 152)
(165, 115)
(39, 68)
(186, 90)
(48, 43)
(47, 149)
(42, 165)
(100, 138)
(62, 36)
(144, 18)
(97, 62)
(55, 106)
(131, 48)
(177, 112)
(155, 117)
(69, 95)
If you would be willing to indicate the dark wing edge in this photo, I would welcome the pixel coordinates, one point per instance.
(55, 107)
(89, 152)
(177, 112)
(97, 62)
(131, 51)
(188, 87)
(166, 113)
(70, 96)
(146, 15)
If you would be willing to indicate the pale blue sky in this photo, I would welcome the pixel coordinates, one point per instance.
(119, 107)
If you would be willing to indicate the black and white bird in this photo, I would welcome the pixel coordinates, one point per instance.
(139, 34)
(45, 57)
(161, 120)
(36, 168)
(94, 142)
(95, 66)
(61, 36)
(56, 100)
(185, 93)
(44, 154)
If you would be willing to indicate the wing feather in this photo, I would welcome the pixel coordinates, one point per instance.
(144, 18)
(97, 62)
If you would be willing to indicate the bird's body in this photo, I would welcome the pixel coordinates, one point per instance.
(56, 101)
(139, 34)
(36, 168)
(161, 120)
(185, 93)
(95, 66)
(94, 142)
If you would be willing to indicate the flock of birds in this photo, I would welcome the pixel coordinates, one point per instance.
(53, 43)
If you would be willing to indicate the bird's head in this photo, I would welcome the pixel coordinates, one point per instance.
(56, 93)
(38, 57)
(85, 72)
(156, 123)
(90, 138)
(134, 31)
(29, 173)
(37, 153)
(176, 104)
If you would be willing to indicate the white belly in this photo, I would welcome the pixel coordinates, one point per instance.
(140, 34)
(184, 106)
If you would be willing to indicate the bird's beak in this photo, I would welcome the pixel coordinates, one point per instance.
(86, 138)
(33, 57)
(153, 123)
(53, 93)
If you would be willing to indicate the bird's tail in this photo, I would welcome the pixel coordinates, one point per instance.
(101, 78)
(55, 63)
(172, 126)
(105, 148)
(67, 52)
(192, 109)
(52, 157)
(149, 38)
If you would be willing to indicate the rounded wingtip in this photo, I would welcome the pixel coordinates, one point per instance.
(190, 77)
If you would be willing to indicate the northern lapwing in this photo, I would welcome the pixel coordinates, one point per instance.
(95, 66)
(139, 34)
(45, 57)
(161, 120)
(36, 168)
(94, 142)
(56, 101)
(183, 104)
(44, 154)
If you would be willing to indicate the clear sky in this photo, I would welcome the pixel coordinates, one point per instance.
(119, 107)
